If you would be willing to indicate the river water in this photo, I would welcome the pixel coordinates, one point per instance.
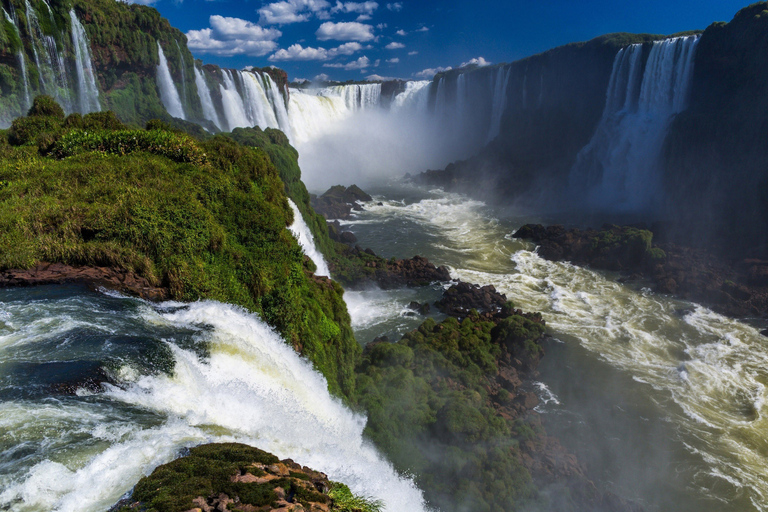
(663, 400)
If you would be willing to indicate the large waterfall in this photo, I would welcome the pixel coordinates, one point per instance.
(168, 92)
(88, 92)
(204, 92)
(620, 166)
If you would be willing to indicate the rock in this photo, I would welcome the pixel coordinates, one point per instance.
(338, 202)
(764, 332)
(347, 237)
(420, 308)
(461, 298)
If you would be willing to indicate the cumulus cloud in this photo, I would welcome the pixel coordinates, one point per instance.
(298, 52)
(394, 46)
(361, 63)
(233, 36)
(379, 78)
(396, 6)
(413, 53)
(477, 61)
(365, 8)
(393, 61)
(429, 73)
(345, 31)
(423, 29)
(401, 32)
(322, 77)
(292, 11)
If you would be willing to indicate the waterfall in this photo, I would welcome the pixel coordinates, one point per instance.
(22, 62)
(620, 167)
(168, 92)
(415, 97)
(278, 104)
(52, 71)
(257, 105)
(204, 92)
(183, 67)
(232, 103)
(356, 96)
(88, 92)
(304, 236)
(499, 101)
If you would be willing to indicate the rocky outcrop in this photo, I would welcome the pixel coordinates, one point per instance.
(737, 288)
(232, 477)
(357, 268)
(339, 202)
(57, 273)
(461, 298)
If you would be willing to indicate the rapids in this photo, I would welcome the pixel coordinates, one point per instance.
(181, 375)
(675, 391)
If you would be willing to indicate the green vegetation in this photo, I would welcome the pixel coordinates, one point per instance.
(631, 246)
(210, 470)
(202, 219)
(433, 409)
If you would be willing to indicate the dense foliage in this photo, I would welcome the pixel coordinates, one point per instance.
(432, 412)
(203, 219)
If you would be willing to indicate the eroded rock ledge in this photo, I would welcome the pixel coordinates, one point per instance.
(734, 288)
(57, 273)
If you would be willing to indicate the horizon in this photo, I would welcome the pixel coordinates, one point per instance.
(368, 40)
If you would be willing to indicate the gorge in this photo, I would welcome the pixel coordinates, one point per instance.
(188, 293)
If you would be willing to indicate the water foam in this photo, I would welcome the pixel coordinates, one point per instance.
(304, 236)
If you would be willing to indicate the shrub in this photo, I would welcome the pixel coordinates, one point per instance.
(45, 106)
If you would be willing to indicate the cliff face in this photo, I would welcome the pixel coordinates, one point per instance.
(716, 177)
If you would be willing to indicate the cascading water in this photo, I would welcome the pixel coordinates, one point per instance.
(52, 70)
(304, 236)
(619, 168)
(184, 375)
(258, 106)
(415, 98)
(88, 91)
(168, 92)
(499, 105)
(356, 96)
(183, 67)
(204, 92)
(232, 103)
(22, 62)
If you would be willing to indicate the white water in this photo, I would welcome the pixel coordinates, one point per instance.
(88, 91)
(705, 373)
(251, 387)
(183, 67)
(620, 166)
(169, 94)
(304, 236)
(204, 92)
(499, 104)
(22, 65)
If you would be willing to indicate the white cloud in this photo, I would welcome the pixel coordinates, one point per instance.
(322, 77)
(345, 31)
(379, 78)
(477, 61)
(394, 46)
(401, 32)
(361, 63)
(298, 52)
(429, 73)
(381, 26)
(396, 6)
(423, 29)
(355, 7)
(292, 11)
(413, 53)
(393, 61)
(233, 36)
(363, 17)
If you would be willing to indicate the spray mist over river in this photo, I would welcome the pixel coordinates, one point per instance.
(663, 400)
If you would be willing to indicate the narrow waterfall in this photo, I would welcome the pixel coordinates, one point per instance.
(620, 166)
(278, 104)
(204, 92)
(88, 91)
(304, 236)
(168, 92)
(182, 65)
(232, 103)
(22, 63)
(501, 82)
(415, 97)
(52, 70)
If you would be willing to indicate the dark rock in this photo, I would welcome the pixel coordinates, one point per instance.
(461, 298)
(347, 237)
(420, 308)
(764, 332)
(338, 202)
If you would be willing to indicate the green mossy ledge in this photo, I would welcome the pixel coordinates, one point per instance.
(203, 220)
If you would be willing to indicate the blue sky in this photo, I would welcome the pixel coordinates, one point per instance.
(412, 39)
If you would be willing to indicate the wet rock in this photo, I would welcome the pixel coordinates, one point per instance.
(461, 298)
(422, 309)
(339, 202)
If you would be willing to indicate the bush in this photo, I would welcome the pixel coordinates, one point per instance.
(45, 106)
(25, 130)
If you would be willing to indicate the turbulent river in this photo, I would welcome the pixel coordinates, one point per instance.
(662, 400)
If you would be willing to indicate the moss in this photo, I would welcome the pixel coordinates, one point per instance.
(203, 219)
(429, 410)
